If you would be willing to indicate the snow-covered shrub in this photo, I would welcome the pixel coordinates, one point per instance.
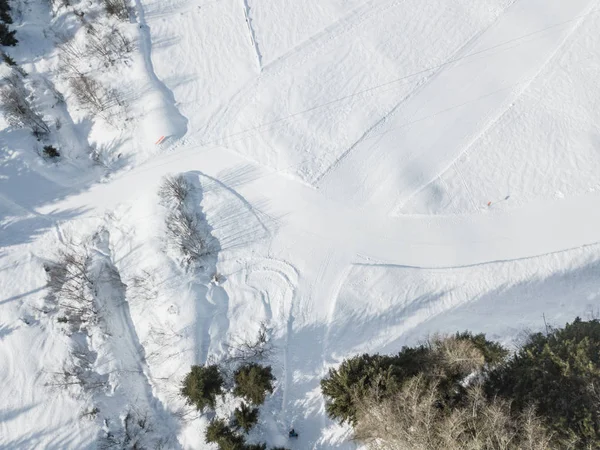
(253, 382)
(202, 385)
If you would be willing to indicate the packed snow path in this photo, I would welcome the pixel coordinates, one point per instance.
(417, 241)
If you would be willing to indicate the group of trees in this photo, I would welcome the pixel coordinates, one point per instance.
(466, 392)
(251, 384)
(7, 37)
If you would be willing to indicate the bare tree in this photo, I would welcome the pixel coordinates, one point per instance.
(17, 107)
(251, 350)
(414, 420)
(184, 226)
(109, 47)
(71, 288)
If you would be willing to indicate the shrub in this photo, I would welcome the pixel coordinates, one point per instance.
(202, 385)
(245, 417)
(51, 152)
(7, 37)
(560, 374)
(253, 382)
(412, 419)
(447, 361)
(255, 447)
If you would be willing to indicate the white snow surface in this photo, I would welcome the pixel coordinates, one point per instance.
(368, 173)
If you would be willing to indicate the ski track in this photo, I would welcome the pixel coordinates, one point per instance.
(523, 86)
(417, 166)
(299, 55)
(252, 34)
(420, 84)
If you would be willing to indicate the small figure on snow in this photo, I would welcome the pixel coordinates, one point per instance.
(293, 433)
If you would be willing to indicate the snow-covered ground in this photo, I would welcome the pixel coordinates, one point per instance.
(369, 172)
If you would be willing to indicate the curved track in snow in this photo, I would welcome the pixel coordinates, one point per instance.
(417, 241)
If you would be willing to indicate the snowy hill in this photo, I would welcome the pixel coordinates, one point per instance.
(356, 175)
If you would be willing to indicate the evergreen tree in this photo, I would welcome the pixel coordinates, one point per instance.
(559, 373)
(219, 433)
(7, 37)
(245, 417)
(253, 382)
(202, 385)
(5, 12)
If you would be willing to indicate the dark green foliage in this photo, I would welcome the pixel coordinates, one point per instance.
(436, 359)
(202, 385)
(7, 37)
(560, 374)
(492, 352)
(253, 382)
(357, 375)
(5, 12)
(245, 417)
(255, 447)
(51, 152)
(219, 433)
(8, 60)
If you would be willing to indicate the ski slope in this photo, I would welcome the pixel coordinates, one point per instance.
(370, 172)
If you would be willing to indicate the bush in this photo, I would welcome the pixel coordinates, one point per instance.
(245, 417)
(412, 419)
(560, 374)
(51, 152)
(7, 37)
(202, 385)
(446, 360)
(253, 382)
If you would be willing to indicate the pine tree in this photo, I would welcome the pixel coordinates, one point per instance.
(253, 382)
(202, 385)
(245, 417)
(7, 37)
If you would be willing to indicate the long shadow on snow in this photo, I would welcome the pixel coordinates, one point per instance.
(29, 182)
(507, 312)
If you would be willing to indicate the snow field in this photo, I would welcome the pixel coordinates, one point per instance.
(341, 156)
